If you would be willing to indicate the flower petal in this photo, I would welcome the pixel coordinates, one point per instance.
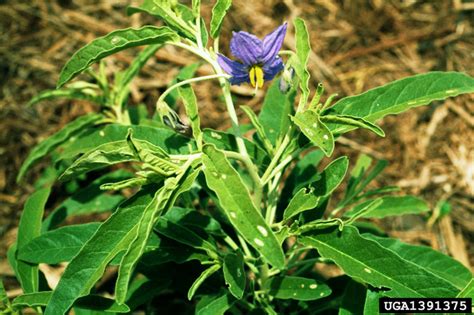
(237, 70)
(272, 68)
(272, 43)
(246, 47)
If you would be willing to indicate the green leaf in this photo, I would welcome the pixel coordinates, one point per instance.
(390, 206)
(191, 107)
(4, 301)
(441, 265)
(175, 15)
(204, 275)
(215, 304)
(165, 138)
(258, 127)
(467, 291)
(28, 229)
(400, 95)
(112, 43)
(234, 274)
(303, 49)
(59, 245)
(90, 199)
(308, 198)
(169, 250)
(195, 221)
(352, 299)
(161, 202)
(196, 5)
(296, 288)
(113, 236)
(143, 290)
(347, 120)
(226, 141)
(367, 261)
(185, 236)
(275, 112)
(92, 302)
(72, 94)
(239, 207)
(371, 306)
(48, 145)
(218, 13)
(316, 131)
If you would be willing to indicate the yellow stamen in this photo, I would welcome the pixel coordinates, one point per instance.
(256, 77)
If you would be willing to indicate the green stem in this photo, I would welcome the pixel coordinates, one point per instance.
(189, 81)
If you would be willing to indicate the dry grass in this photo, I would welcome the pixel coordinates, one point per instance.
(357, 45)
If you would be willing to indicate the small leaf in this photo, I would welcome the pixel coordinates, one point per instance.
(113, 236)
(353, 121)
(218, 13)
(316, 131)
(105, 155)
(367, 261)
(352, 298)
(390, 206)
(169, 250)
(441, 265)
(112, 43)
(175, 15)
(239, 207)
(48, 145)
(296, 288)
(196, 5)
(215, 304)
(72, 94)
(400, 95)
(258, 127)
(372, 300)
(28, 229)
(4, 301)
(195, 221)
(185, 73)
(91, 302)
(204, 275)
(308, 198)
(303, 49)
(275, 112)
(234, 274)
(191, 107)
(59, 245)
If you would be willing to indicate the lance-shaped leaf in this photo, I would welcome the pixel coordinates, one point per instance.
(138, 63)
(164, 138)
(72, 94)
(441, 265)
(296, 288)
(400, 95)
(185, 73)
(191, 107)
(175, 15)
(258, 127)
(347, 120)
(111, 44)
(90, 302)
(59, 245)
(215, 304)
(163, 200)
(195, 221)
(51, 143)
(28, 229)
(316, 131)
(113, 236)
(239, 207)
(308, 198)
(303, 49)
(204, 275)
(218, 13)
(391, 206)
(234, 274)
(275, 112)
(367, 261)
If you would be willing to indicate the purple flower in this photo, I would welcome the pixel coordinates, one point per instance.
(259, 60)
